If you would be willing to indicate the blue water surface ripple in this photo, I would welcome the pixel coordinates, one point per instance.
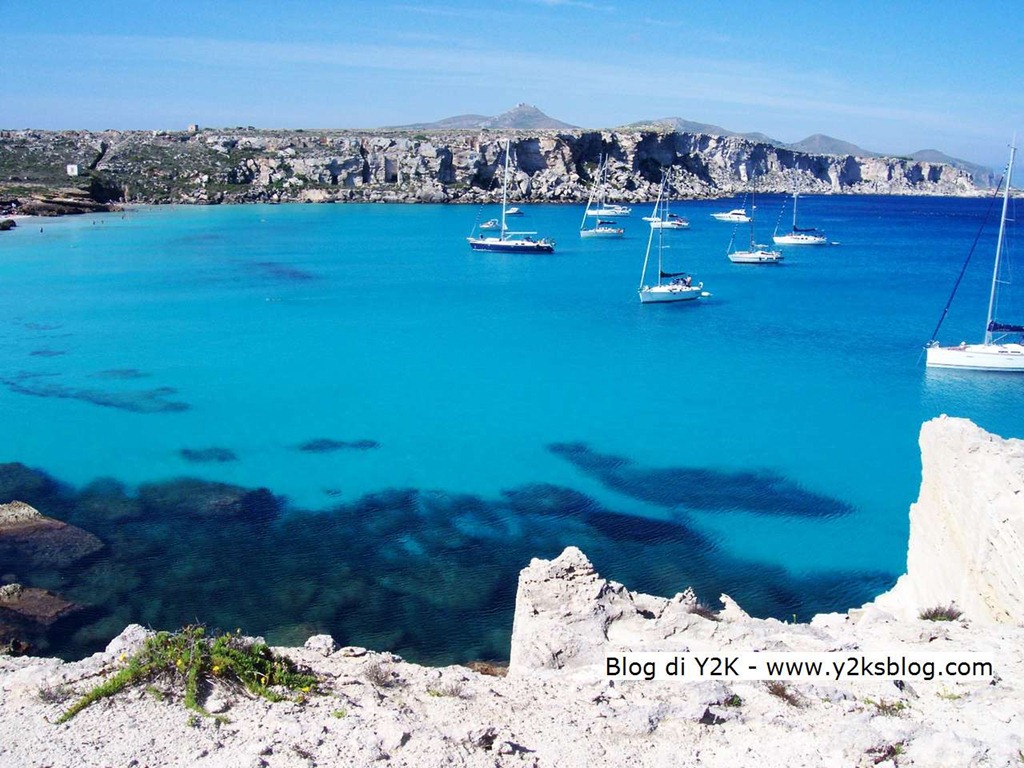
(338, 418)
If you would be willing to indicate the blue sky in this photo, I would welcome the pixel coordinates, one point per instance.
(893, 78)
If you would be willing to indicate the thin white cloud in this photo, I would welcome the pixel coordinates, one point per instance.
(444, 11)
(572, 4)
(589, 92)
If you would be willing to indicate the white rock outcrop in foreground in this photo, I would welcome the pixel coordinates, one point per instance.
(967, 527)
(556, 709)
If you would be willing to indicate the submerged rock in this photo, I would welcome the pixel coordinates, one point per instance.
(328, 445)
(208, 455)
(559, 706)
(30, 539)
(192, 497)
(27, 612)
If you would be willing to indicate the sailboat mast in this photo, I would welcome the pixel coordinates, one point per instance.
(504, 189)
(593, 193)
(661, 229)
(794, 210)
(753, 207)
(999, 246)
(647, 256)
(661, 242)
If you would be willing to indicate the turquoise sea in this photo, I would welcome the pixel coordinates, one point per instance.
(338, 418)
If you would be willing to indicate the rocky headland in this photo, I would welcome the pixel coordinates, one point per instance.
(205, 166)
(554, 706)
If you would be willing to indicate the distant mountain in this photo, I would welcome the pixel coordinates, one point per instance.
(680, 125)
(528, 117)
(820, 144)
(983, 177)
(459, 122)
(521, 117)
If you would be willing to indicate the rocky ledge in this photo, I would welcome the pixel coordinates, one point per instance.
(555, 707)
(248, 165)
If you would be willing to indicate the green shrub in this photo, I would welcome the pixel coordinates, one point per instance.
(941, 613)
(888, 708)
(190, 659)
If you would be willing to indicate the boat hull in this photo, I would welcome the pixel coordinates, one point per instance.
(734, 217)
(977, 357)
(662, 294)
(800, 240)
(494, 245)
(609, 211)
(670, 225)
(603, 232)
(755, 257)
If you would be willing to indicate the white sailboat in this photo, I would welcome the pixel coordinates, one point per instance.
(798, 236)
(595, 204)
(756, 253)
(603, 228)
(995, 353)
(670, 221)
(671, 286)
(507, 241)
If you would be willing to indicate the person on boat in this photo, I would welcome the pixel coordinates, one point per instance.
(687, 281)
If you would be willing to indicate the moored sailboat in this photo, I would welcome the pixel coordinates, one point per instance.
(996, 352)
(755, 253)
(507, 241)
(671, 286)
(661, 217)
(596, 206)
(798, 236)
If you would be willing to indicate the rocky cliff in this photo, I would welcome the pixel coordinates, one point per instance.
(247, 165)
(966, 528)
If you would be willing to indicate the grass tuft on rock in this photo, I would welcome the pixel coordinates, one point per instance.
(941, 613)
(193, 660)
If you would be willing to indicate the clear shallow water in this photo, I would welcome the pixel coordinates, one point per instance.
(483, 410)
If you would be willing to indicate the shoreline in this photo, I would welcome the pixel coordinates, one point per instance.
(234, 165)
(560, 701)
(128, 207)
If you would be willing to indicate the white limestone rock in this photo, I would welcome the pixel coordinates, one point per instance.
(18, 512)
(966, 528)
(129, 641)
(322, 644)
